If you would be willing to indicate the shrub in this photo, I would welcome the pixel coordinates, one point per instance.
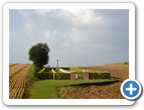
(126, 63)
(54, 76)
(80, 75)
(45, 75)
(99, 75)
(62, 76)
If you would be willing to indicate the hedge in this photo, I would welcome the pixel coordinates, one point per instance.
(45, 75)
(99, 75)
(42, 74)
(62, 76)
(80, 75)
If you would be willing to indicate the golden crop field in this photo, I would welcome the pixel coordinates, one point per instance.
(17, 80)
(12, 64)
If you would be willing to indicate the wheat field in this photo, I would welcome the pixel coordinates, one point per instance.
(17, 79)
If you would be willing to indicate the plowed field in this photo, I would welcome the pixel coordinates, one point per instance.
(17, 80)
(101, 91)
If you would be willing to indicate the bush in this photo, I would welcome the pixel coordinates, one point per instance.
(80, 75)
(45, 75)
(54, 76)
(99, 75)
(126, 63)
(62, 76)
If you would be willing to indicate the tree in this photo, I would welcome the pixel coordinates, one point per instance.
(39, 54)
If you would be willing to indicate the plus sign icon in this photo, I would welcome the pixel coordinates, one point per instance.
(131, 89)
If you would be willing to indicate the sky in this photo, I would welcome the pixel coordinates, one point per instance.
(77, 37)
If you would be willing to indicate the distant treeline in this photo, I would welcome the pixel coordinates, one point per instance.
(124, 63)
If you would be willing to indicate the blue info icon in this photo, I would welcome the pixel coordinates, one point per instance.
(131, 89)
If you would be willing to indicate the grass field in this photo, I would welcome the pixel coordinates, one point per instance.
(47, 89)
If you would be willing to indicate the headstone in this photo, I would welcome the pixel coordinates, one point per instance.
(76, 76)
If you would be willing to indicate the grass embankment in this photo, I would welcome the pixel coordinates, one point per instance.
(32, 74)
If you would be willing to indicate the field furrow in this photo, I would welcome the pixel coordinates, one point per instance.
(17, 81)
(13, 64)
(15, 69)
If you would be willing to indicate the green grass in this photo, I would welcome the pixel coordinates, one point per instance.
(58, 71)
(47, 89)
(32, 74)
(48, 70)
(90, 71)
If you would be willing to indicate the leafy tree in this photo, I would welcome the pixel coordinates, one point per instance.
(39, 54)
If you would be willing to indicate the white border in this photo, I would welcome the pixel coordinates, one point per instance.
(69, 6)
(8, 6)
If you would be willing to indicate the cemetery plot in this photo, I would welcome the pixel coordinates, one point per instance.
(47, 70)
(79, 74)
(58, 71)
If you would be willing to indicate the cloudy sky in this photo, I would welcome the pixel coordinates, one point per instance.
(75, 37)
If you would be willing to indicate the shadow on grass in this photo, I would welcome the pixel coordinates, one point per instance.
(116, 77)
(96, 84)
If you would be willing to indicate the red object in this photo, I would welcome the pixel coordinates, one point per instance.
(73, 76)
(85, 75)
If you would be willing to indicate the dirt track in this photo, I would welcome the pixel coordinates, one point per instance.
(108, 91)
